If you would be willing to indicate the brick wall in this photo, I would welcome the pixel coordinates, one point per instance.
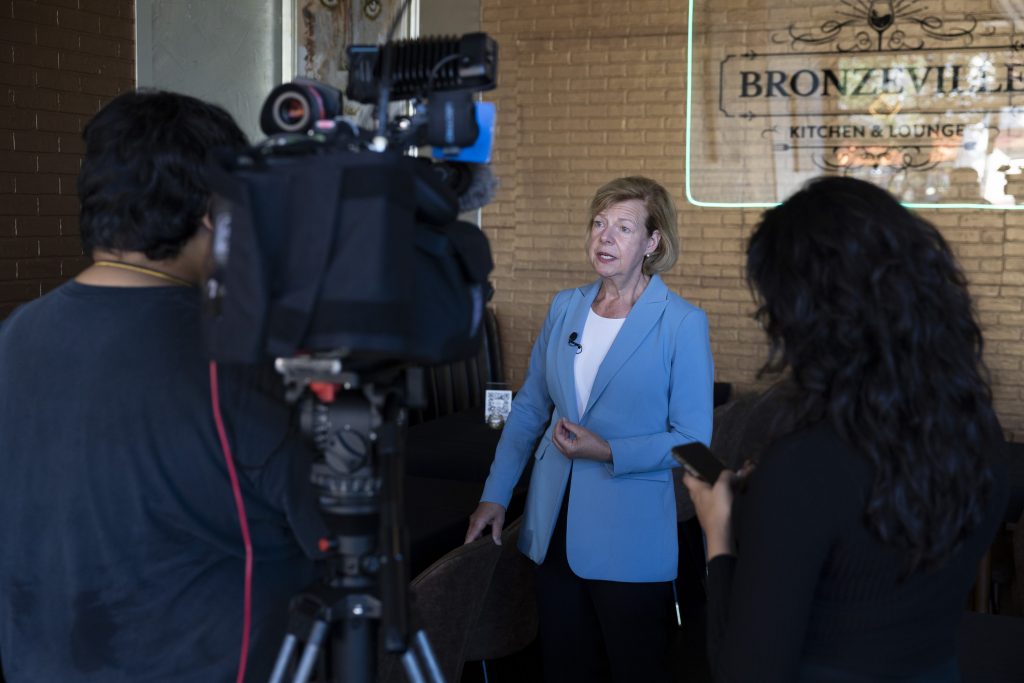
(592, 90)
(60, 61)
(589, 90)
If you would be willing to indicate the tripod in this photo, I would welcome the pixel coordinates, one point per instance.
(357, 425)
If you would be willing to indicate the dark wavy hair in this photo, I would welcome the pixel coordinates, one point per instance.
(866, 306)
(143, 184)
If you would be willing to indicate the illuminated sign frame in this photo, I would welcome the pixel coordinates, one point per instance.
(755, 205)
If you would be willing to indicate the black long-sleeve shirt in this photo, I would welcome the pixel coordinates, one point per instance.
(811, 586)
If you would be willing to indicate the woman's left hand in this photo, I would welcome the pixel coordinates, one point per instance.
(578, 442)
(714, 510)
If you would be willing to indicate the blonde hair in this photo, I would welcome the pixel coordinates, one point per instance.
(661, 216)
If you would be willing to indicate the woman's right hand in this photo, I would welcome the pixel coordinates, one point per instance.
(486, 513)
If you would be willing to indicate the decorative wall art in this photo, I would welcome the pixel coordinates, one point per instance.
(325, 28)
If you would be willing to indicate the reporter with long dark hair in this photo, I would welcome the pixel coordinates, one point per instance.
(850, 553)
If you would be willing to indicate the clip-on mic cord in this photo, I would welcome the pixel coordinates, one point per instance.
(573, 342)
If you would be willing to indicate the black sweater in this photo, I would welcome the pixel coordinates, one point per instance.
(812, 587)
(121, 552)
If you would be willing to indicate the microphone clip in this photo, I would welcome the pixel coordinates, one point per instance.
(573, 342)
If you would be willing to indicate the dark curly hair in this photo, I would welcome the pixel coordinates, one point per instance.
(143, 183)
(866, 306)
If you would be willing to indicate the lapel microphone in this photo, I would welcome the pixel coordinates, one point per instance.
(572, 342)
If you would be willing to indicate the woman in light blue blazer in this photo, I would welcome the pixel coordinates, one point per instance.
(620, 373)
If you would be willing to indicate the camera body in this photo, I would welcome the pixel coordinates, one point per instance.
(327, 242)
(440, 75)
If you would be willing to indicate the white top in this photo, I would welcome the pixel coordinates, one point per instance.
(597, 337)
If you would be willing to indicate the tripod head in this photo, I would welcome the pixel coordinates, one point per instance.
(355, 417)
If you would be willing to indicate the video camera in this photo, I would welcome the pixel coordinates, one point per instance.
(341, 256)
(330, 239)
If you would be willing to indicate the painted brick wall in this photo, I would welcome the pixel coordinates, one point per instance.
(60, 61)
(592, 90)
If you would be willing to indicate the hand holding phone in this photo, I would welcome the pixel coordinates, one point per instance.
(713, 503)
(698, 460)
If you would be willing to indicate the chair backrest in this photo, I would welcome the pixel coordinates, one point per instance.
(1018, 562)
(508, 620)
(454, 387)
(492, 348)
(722, 393)
(742, 427)
(445, 601)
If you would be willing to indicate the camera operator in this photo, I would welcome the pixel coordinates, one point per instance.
(123, 555)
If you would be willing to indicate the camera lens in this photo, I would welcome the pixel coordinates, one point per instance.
(295, 107)
(291, 112)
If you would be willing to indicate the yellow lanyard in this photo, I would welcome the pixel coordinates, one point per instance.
(145, 271)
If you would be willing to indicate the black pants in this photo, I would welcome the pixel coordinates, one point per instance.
(594, 631)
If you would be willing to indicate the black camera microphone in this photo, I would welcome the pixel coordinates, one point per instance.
(573, 342)
(480, 190)
(473, 184)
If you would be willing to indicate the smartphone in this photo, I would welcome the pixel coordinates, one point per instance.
(698, 460)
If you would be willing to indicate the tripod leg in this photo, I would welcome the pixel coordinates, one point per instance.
(316, 638)
(412, 668)
(426, 653)
(421, 652)
(284, 655)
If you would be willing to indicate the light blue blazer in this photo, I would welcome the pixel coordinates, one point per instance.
(652, 392)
